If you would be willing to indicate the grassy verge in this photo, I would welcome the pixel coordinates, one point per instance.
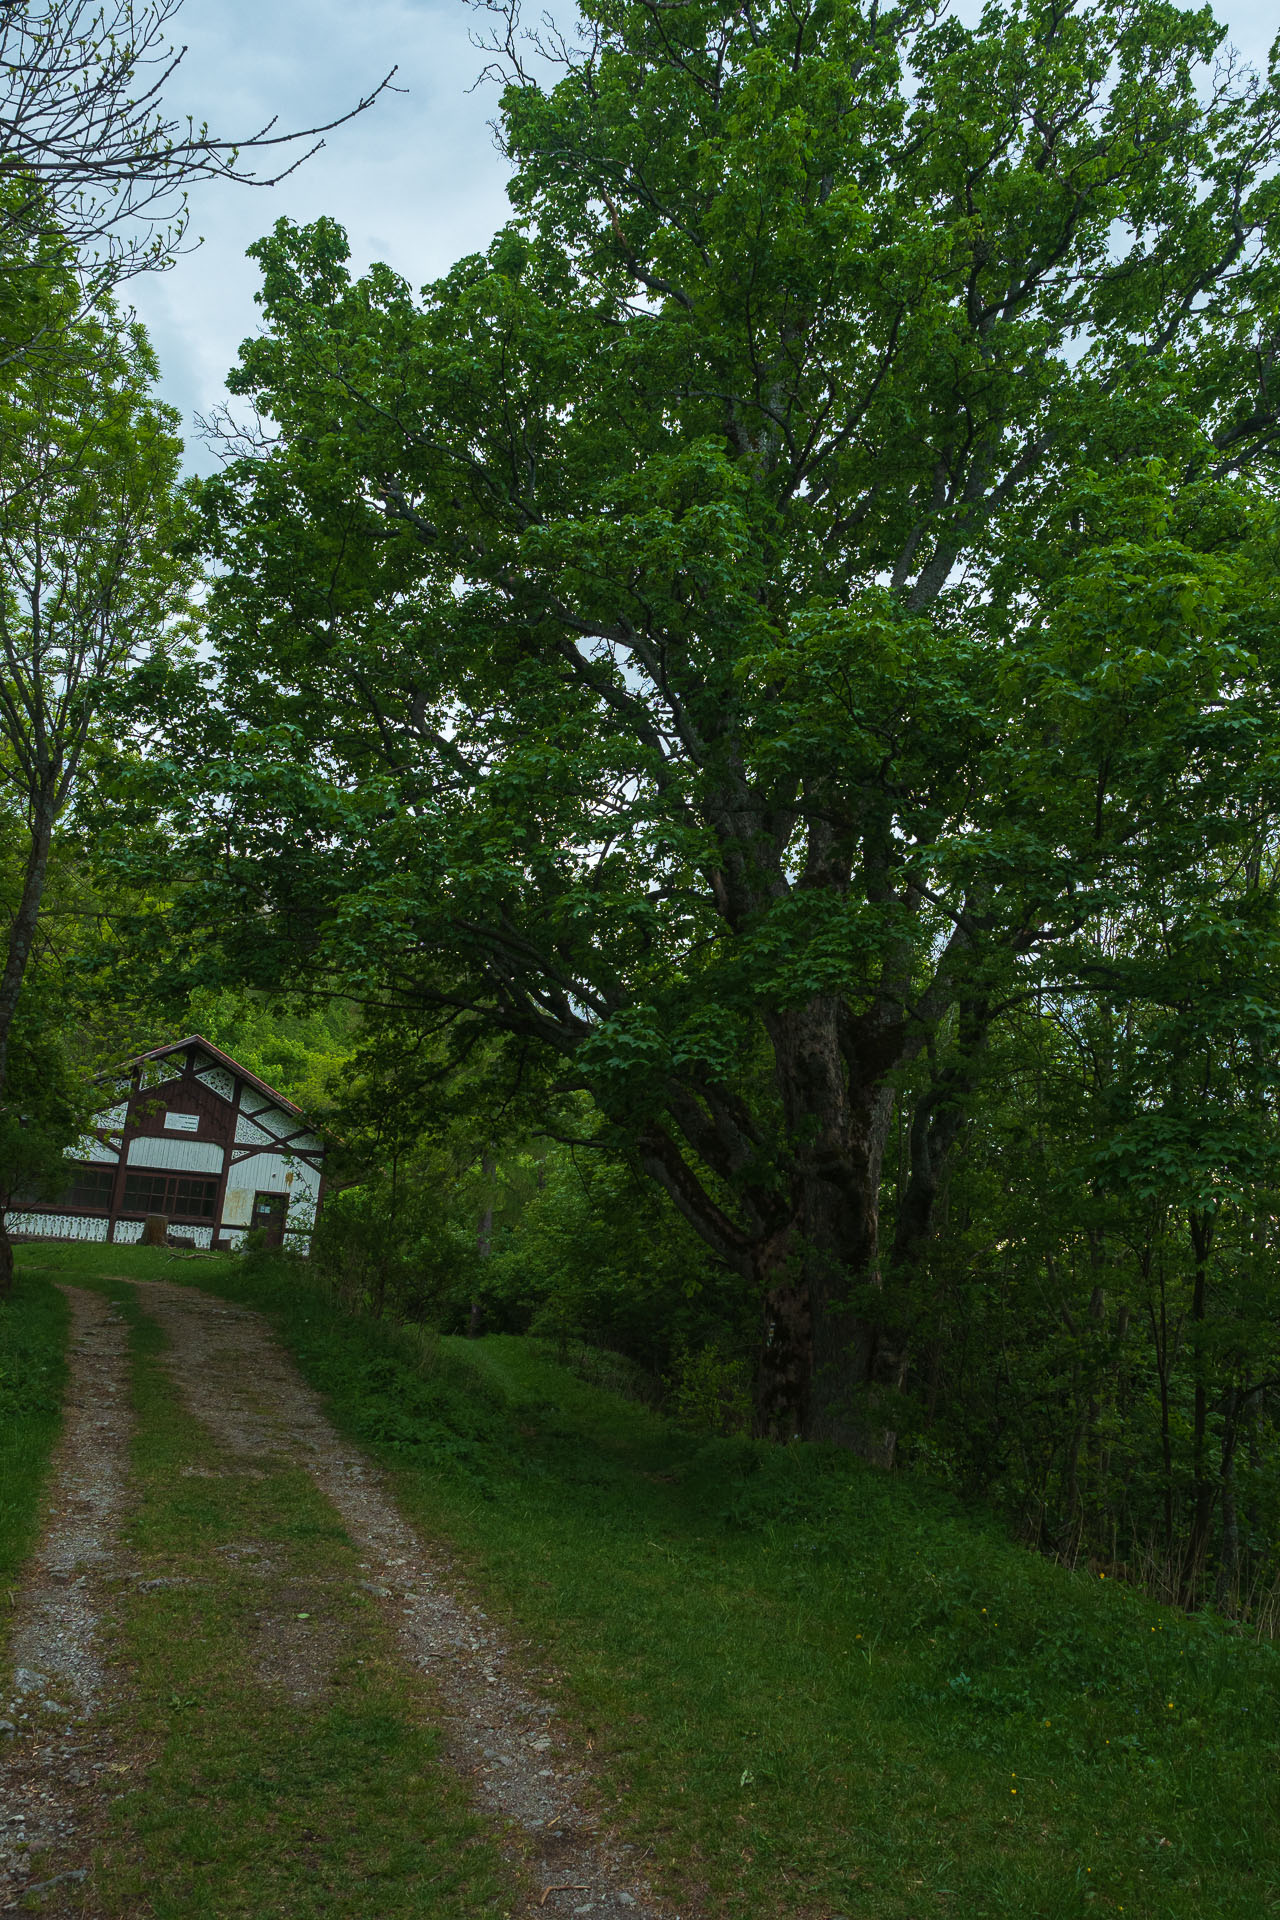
(812, 1690)
(33, 1339)
(282, 1766)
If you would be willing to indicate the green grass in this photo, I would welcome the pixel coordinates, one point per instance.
(244, 1796)
(33, 1339)
(813, 1690)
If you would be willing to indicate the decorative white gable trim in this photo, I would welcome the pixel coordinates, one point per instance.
(92, 1149)
(219, 1081)
(158, 1073)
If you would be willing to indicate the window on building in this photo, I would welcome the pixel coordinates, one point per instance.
(90, 1189)
(176, 1195)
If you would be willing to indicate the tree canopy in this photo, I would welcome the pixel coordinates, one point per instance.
(806, 590)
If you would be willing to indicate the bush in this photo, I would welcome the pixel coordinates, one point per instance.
(398, 1255)
(596, 1256)
(710, 1392)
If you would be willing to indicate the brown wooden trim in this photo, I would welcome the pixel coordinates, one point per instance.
(219, 1059)
(233, 1106)
(218, 1117)
(241, 1153)
(117, 1189)
(178, 1219)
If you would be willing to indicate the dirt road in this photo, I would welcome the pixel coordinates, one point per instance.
(55, 1768)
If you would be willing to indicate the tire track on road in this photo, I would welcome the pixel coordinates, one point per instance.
(56, 1758)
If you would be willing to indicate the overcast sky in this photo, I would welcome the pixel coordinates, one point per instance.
(415, 181)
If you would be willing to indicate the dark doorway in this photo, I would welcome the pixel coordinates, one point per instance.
(268, 1214)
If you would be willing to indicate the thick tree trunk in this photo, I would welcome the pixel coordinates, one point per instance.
(830, 1363)
(936, 1125)
(820, 1357)
(22, 933)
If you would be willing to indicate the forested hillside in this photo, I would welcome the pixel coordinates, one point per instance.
(728, 748)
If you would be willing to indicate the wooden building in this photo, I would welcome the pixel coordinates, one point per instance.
(189, 1133)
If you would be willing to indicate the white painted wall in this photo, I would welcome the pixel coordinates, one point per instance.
(269, 1173)
(181, 1156)
(237, 1209)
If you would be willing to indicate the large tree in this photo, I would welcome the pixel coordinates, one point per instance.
(745, 631)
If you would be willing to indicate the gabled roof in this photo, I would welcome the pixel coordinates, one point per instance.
(223, 1060)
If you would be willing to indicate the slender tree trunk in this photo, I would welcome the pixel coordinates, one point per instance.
(22, 938)
(1229, 1558)
(1159, 1320)
(388, 1242)
(484, 1243)
(1110, 1404)
(1205, 1490)
(22, 933)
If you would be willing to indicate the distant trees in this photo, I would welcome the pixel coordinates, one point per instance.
(94, 170)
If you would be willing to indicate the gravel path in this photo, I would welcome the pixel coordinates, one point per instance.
(235, 1379)
(55, 1760)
